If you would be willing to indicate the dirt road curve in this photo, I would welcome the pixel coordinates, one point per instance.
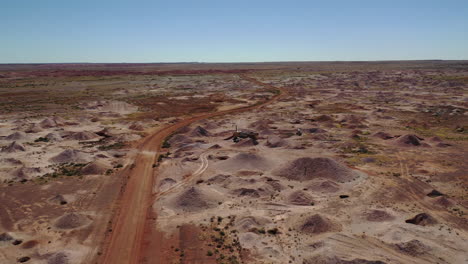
(129, 222)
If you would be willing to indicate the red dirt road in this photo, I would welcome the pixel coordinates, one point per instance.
(129, 223)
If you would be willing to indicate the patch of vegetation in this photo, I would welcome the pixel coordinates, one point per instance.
(117, 145)
(66, 169)
(41, 139)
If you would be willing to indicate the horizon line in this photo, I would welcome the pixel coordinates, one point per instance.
(233, 62)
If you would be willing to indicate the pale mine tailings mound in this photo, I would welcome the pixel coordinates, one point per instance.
(13, 147)
(317, 224)
(410, 141)
(17, 136)
(305, 169)
(96, 168)
(245, 161)
(196, 199)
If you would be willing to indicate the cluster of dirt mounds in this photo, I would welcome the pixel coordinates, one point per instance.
(422, 219)
(71, 155)
(335, 260)
(378, 216)
(52, 122)
(305, 169)
(316, 224)
(195, 199)
(71, 221)
(413, 248)
(245, 161)
(300, 198)
(13, 147)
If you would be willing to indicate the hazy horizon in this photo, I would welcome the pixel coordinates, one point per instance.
(53, 31)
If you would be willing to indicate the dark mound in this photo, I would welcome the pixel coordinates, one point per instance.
(378, 216)
(300, 198)
(199, 132)
(275, 142)
(215, 146)
(246, 142)
(305, 169)
(17, 136)
(422, 219)
(58, 258)
(86, 135)
(166, 183)
(71, 220)
(409, 141)
(5, 237)
(48, 123)
(13, 147)
(246, 192)
(382, 135)
(71, 155)
(443, 202)
(25, 172)
(95, 168)
(316, 224)
(193, 200)
(30, 244)
(316, 130)
(413, 248)
(435, 193)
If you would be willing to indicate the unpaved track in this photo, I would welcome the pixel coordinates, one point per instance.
(129, 222)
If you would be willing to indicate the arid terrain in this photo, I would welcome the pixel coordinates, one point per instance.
(294, 162)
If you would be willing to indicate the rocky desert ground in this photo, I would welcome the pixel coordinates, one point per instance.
(313, 162)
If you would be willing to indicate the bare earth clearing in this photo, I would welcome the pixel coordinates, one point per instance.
(353, 162)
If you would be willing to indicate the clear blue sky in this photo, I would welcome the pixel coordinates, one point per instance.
(231, 31)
